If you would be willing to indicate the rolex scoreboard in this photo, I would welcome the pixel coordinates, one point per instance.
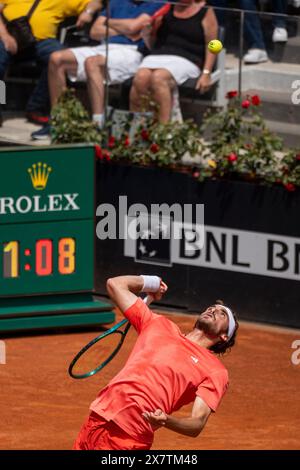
(47, 238)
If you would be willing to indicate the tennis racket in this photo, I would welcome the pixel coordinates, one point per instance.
(96, 354)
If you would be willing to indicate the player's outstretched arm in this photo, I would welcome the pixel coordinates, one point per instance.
(123, 290)
(190, 426)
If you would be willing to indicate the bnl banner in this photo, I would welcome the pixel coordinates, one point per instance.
(263, 254)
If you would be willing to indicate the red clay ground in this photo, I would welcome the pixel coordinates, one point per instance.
(43, 408)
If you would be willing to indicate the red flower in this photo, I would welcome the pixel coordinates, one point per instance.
(255, 100)
(232, 157)
(126, 142)
(154, 148)
(290, 187)
(196, 174)
(111, 142)
(231, 94)
(98, 152)
(298, 157)
(106, 155)
(145, 134)
(246, 104)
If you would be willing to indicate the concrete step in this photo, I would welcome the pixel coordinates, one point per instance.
(277, 106)
(290, 133)
(288, 52)
(17, 131)
(268, 76)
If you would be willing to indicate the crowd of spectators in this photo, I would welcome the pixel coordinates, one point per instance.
(133, 40)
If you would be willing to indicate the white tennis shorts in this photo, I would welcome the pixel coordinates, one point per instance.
(180, 68)
(123, 61)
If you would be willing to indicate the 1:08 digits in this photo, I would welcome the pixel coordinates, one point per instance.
(43, 257)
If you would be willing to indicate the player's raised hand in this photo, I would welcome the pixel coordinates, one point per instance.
(161, 291)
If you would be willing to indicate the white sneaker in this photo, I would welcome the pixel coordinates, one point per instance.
(280, 35)
(255, 56)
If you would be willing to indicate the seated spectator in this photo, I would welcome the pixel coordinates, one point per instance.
(44, 22)
(127, 19)
(179, 52)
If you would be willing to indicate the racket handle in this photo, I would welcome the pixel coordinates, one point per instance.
(148, 299)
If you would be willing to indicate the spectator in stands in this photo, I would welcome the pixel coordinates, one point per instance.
(253, 31)
(127, 19)
(253, 34)
(220, 14)
(45, 20)
(178, 52)
(280, 32)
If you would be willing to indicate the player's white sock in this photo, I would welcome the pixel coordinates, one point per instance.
(98, 119)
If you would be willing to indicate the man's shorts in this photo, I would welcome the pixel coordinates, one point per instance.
(180, 68)
(99, 434)
(123, 61)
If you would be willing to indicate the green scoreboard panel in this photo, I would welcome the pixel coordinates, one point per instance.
(47, 231)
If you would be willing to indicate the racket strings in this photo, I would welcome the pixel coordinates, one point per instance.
(98, 354)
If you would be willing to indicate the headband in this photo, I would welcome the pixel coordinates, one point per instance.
(231, 325)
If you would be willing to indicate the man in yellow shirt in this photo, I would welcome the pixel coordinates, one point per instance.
(44, 22)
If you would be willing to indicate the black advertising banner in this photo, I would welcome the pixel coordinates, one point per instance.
(250, 255)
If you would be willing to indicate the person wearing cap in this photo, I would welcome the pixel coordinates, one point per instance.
(165, 371)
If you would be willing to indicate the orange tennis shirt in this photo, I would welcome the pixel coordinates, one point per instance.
(164, 370)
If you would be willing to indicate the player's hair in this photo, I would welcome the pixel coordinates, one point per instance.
(222, 346)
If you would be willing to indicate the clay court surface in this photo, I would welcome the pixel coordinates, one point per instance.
(43, 408)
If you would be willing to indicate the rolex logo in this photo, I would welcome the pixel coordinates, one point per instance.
(39, 174)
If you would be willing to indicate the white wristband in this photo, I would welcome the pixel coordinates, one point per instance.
(151, 283)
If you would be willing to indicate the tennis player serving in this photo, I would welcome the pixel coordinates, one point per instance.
(165, 370)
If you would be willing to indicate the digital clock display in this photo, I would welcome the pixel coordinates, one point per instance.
(47, 257)
(65, 251)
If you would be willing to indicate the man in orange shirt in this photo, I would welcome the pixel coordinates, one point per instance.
(165, 370)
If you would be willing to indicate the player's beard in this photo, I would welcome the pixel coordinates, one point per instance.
(206, 326)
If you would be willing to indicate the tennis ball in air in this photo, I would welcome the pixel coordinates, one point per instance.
(215, 46)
